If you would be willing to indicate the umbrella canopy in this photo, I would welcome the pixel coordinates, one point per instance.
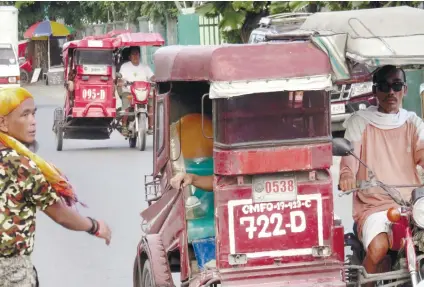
(47, 29)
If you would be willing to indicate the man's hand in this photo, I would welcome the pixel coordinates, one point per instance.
(121, 82)
(104, 232)
(181, 180)
(347, 182)
(71, 219)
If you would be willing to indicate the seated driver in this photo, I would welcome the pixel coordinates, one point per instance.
(390, 140)
(133, 71)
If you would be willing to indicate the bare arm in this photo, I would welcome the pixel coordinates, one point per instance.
(203, 182)
(67, 217)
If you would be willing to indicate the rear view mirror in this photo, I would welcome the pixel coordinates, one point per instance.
(342, 147)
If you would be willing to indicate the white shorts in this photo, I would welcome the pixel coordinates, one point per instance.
(375, 224)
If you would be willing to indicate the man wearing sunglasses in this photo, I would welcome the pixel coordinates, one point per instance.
(390, 140)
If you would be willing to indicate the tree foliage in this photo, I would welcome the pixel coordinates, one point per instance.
(238, 18)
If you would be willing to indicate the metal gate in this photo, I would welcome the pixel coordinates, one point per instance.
(198, 30)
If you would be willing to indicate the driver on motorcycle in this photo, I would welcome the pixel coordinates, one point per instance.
(390, 140)
(132, 71)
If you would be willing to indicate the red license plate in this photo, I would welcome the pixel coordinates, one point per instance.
(93, 94)
(269, 188)
(285, 228)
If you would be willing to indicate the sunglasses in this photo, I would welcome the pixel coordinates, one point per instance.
(386, 87)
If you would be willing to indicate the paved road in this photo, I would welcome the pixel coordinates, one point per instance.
(109, 177)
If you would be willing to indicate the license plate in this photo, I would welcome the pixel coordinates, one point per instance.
(338, 109)
(270, 188)
(93, 94)
(284, 228)
(95, 69)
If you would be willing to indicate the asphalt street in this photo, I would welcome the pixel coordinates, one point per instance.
(109, 178)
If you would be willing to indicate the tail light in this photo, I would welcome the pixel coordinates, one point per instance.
(14, 80)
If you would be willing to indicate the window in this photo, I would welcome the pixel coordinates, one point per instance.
(160, 127)
(94, 57)
(272, 117)
(7, 56)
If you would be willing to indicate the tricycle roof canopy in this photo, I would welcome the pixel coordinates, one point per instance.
(89, 43)
(138, 39)
(374, 37)
(229, 63)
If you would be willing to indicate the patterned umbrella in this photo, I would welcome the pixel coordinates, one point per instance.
(47, 29)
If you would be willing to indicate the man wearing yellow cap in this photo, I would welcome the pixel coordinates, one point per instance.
(28, 183)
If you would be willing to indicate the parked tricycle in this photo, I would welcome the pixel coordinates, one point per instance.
(25, 62)
(90, 110)
(269, 220)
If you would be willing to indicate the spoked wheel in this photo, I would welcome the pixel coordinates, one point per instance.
(141, 133)
(143, 278)
(24, 77)
(137, 273)
(59, 137)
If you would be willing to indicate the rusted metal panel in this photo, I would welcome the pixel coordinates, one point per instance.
(244, 227)
(321, 274)
(240, 62)
(268, 160)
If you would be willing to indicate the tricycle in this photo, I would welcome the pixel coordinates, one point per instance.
(25, 62)
(90, 104)
(135, 118)
(270, 219)
(90, 109)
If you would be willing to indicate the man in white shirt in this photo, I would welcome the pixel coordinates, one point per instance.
(133, 71)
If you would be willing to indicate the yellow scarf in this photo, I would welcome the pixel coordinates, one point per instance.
(10, 99)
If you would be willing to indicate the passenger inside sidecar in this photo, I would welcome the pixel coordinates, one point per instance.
(192, 152)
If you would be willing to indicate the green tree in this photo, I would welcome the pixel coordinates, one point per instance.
(238, 18)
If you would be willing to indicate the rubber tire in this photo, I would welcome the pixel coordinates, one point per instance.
(132, 142)
(47, 81)
(137, 273)
(25, 75)
(59, 138)
(147, 275)
(142, 132)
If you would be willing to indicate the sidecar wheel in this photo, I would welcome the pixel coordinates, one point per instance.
(137, 273)
(59, 137)
(146, 276)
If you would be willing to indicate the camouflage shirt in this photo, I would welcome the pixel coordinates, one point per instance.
(23, 189)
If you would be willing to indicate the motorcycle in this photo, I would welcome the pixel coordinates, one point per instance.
(135, 117)
(406, 233)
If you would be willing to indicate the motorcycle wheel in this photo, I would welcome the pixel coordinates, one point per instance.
(141, 133)
(24, 77)
(59, 137)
